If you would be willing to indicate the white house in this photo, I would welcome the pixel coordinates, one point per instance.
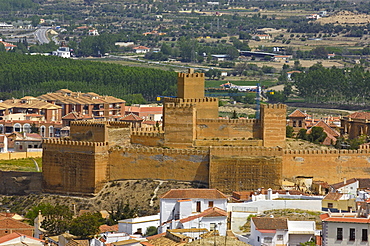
(347, 186)
(279, 231)
(193, 208)
(93, 32)
(138, 225)
(18, 239)
(345, 229)
(141, 49)
(269, 231)
(62, 52)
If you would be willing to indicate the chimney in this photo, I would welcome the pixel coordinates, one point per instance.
(269, 194)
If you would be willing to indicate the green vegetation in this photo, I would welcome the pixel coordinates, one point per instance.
(35, 75)
(58, 219)
(347, 86)
(24, 165)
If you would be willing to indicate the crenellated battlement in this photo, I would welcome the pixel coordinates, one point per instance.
(230, 121)
(146, 129)
(191, 100)
(246, 150)
(73, 143)
(148, 134)
(178, 106)
(118, 124)
(88, 123)
(190, 75)
(274, 106)
(155, 151)
(326, 152)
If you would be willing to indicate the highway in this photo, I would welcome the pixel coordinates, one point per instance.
(41, 35)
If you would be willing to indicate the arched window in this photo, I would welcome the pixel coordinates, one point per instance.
(27, 128)
(42, 131)
(17, 127)
(51, 131)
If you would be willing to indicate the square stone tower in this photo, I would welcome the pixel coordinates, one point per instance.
(190, 85)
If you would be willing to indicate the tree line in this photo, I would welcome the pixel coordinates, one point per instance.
(35, 75)
(345, 86)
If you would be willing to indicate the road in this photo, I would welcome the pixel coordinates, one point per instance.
(41, 35)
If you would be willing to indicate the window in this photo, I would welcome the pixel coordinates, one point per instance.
(364, 235)
(210, 204)
(349, 208)
(267, 239)
(212, 226)
(258, 239)
(280, 237)
(300, 123)
(352, 234)
(198, 206)
(294, 123)
(330, 205)
(339, 233)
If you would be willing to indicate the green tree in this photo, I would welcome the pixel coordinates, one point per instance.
(86, 225)
(289, 131)
(302, 134)
(150, 231)
(57, 219)
(317, 135)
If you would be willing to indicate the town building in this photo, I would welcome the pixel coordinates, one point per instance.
(193, 208)
(85, 105)
(345, 229)
(280, 231)
(18, 239)
(141, 49)
(138, 225)
(355, 124)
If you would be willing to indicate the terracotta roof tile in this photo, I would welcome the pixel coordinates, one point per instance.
(131, 117)
(341, 184)
(194, 193)
(107, 228)
(360, 115)
(333, 196)
(265, 223)
(14, 235)
(210, 212)
(297, 113)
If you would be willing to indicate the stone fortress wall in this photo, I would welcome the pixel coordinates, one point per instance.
(194, 145)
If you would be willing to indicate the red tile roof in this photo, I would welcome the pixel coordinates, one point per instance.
(194, 193)
(341, 184)
(333, 196)
(210, 212)
(131, 117)
(360, 115)
(297, 113)
(141, 48)
(107, 228)
(15, 235)
(266, 223)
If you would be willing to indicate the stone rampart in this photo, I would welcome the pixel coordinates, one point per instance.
(89, 131)
(74, 167)
(159, 163)
(20, 183)
(151, 139)
(228, 128)
(245, 168)
(328, 165)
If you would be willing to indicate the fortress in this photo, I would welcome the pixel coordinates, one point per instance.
(193, 145)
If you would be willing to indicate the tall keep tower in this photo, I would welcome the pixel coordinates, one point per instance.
(190, 85)
(181, 113)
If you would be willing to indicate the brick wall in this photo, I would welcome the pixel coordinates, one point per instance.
(158, 163)
(74, 167)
